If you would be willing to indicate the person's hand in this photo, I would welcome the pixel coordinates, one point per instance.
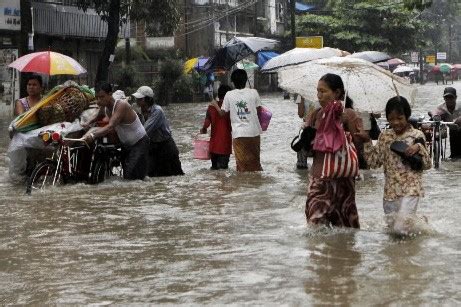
(412, 150)
(213, 103)
(458, 121)
(363, 135)
(88, 138)
(203, 131)
(85, 126)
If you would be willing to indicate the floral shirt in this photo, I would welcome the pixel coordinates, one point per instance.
(400, 179)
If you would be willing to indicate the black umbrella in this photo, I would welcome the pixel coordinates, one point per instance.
(371, 56)
(236, 50)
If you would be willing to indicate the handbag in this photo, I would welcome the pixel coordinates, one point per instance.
(330, 133)
(415, 161)
(304, 139)
(342, 163)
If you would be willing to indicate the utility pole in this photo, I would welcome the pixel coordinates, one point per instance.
(127, 39)
(26, 28)
(186, 44)
(449, 42)
(293, 22)
(421, 66)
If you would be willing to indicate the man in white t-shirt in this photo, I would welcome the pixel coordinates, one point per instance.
(243, 104)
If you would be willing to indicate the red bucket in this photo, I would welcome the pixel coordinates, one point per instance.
(202, 149)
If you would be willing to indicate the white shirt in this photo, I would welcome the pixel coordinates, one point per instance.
(242, 104)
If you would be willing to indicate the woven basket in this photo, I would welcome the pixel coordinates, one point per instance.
(51, 114)
(67, 107)
(73, 102)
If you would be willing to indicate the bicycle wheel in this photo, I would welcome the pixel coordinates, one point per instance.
(99, 173)
(436, 153)
(43, 176)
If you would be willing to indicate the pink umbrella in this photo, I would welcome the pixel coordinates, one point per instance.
(395, 62)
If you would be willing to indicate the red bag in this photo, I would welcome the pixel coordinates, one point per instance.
(342, 163)
(330, 134)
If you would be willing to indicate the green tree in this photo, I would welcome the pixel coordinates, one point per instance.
(365, 25)
(161, 17)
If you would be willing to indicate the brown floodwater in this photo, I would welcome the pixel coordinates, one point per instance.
(219, 237)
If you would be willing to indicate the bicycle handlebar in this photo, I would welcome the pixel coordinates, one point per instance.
(70, 140)
(433, 122)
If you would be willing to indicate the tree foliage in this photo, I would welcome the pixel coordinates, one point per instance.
(365, 25)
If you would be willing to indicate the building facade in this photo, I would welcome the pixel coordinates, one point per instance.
(10, 31)
(208, 24)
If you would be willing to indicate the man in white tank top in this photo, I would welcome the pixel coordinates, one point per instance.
(125, 122)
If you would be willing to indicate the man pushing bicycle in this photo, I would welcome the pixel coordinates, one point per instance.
(450, 111)
(125, 122)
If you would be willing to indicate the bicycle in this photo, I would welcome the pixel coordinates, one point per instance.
(69, 163)
(435, 131)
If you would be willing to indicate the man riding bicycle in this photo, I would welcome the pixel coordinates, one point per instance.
(449, 111)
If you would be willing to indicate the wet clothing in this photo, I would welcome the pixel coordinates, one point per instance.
(455, 131)
(398, 211)
(400, 179)
(129, 134)
(25, 103)
(163, 152)
(219, 161)
(247, 153)
(135, 159)
(156, 125)
(164, 159)
(134, 147)
(221, 131)
(332, 202)
(242, 105)
(446, 115)
(351, 123)
(302, 156)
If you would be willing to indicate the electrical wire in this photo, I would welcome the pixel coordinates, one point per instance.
(212, 20)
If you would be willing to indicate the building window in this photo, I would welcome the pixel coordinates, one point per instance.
(279, 11)
(261, 8)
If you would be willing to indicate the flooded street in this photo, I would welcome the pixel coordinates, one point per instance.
(219, 237)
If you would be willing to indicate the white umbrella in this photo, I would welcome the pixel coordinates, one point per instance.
(403, 68)
(369, 85)
(298, 56)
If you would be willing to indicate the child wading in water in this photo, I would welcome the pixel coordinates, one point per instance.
(221, 132)
(403, 184)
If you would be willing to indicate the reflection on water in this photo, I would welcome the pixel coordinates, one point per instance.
(333, 260)
(223, 237)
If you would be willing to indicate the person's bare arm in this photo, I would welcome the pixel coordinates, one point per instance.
(301, 109)
(221, 112)
(115, 120)
(18, 108)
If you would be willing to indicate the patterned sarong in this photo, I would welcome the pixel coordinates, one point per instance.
(332, 202)
(247, 151)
